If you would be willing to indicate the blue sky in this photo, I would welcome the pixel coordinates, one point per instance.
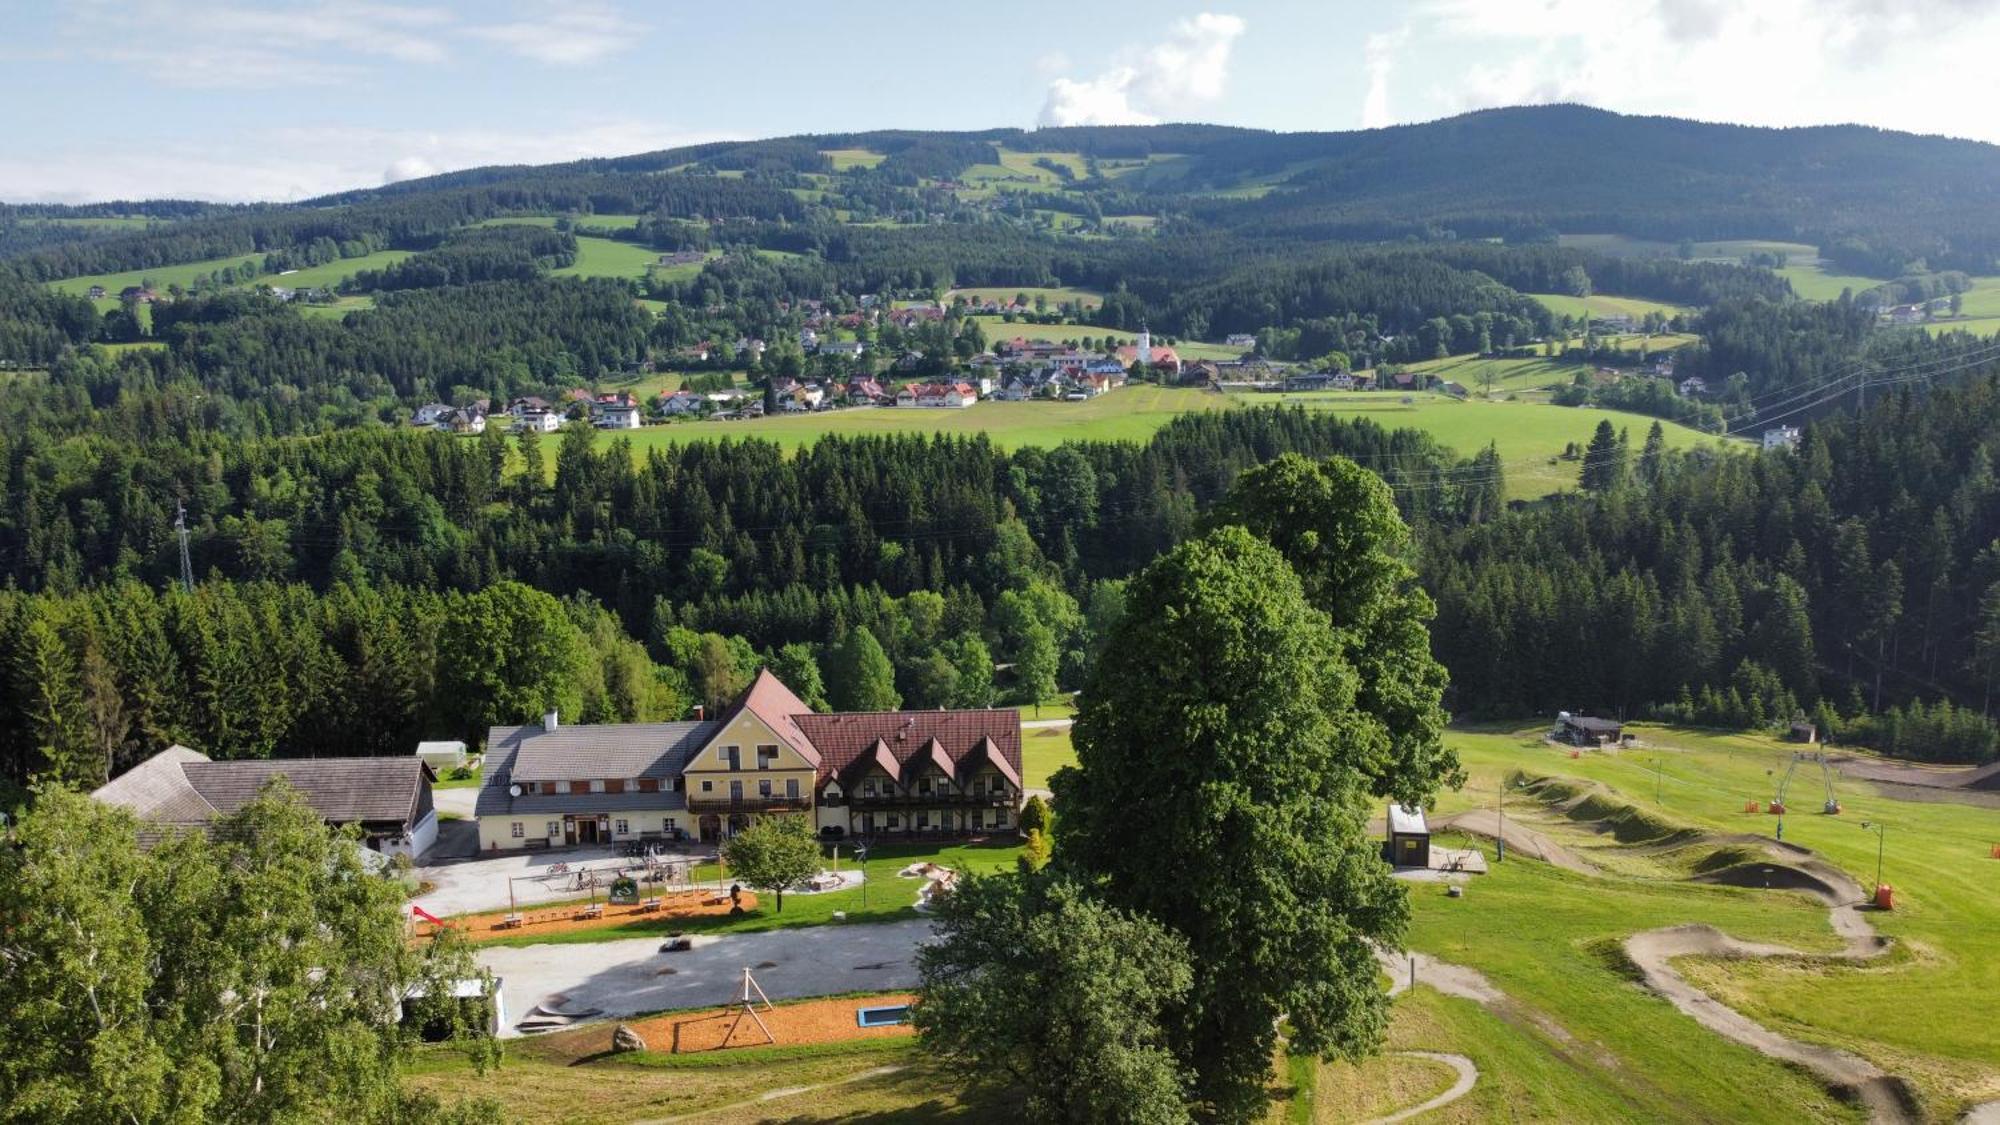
(282, 99)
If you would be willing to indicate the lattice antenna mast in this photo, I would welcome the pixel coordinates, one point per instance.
(187, 561)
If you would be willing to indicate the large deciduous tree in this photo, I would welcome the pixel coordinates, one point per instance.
(1223, 792)
(1336, 524)
(775, 854)
(249, 977)
(1033, 981)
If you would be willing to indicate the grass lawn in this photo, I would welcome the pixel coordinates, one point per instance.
(1133, 413)
(603, 257)
(339, 308)
(555, 1078)
(1816, 284)
(1529, 435)
(160, 276)
(1600, 305)
(1044, 750)
(886, 897)
(445, 781)
(1056, 295)
(1539, 938)
(845, 158)
(333, 273)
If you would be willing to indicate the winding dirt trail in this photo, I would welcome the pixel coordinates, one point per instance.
(1889, 1098)
(1468, 1076)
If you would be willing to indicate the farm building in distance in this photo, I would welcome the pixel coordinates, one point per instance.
(1581, 730)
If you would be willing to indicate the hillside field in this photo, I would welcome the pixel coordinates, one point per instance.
(1529, 435)
(1585, 1039)
(1599, 305)
(1056, 295)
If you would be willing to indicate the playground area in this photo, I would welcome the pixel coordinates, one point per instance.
(570, 917)
(790, 1025)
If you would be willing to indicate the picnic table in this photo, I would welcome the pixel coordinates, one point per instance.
(510, 922)
(649, 904)
(594, 910)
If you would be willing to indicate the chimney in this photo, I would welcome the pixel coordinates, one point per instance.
(700, 712)
(549, 720)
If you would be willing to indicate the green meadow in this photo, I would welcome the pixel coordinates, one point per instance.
(1530, 436)
(1547, 937)
(1056, 295)
(1599, 305)
(845, 158)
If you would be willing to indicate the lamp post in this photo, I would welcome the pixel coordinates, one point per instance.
(1881, 844)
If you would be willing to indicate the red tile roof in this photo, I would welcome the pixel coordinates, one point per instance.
(770, 700)
(959, 735)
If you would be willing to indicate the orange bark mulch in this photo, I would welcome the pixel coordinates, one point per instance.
(808, 1021)
(563, 919)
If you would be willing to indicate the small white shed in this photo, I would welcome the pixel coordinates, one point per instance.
(442, 756)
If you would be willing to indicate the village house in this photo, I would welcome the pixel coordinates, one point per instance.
(1781, 437)
(1241, 340)
(843, 349)
(855, 774)
(679, 403)
(527, 404)
(429, 414)
(388, 798)
(466, 420)
(945, 396)
(1693, 386)
(95, 292)
(1582, 730)
(866, 392)
(616, 416)
(538, 422)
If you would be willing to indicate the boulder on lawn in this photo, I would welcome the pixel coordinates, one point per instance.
(625, 1039)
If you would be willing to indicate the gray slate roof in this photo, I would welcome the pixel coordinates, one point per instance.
(182, 786)
(158, 790)
(529, 754)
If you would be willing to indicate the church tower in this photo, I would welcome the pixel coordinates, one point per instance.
(1145, 351)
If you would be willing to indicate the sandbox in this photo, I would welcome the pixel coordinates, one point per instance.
(807, 1021)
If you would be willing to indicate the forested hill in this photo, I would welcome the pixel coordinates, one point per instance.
(1872, 199)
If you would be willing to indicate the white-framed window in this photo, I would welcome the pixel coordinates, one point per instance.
(868, 788)
(597, 787)
(668, 824)
(764, 788)
(554, 828)
(621, 827)
(732, 757)
(708, 786)
(895, 820)
(923, 820)
(520, 830)
(792, 788)
(735, 790)
(562, 786)
(767, 756)
(1000, 819)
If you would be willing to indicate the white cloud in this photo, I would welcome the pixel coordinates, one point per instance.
(1767, 62)
(569, 35)
(301, 162)
(1183, 72)
(217, 46)
(1379, 60)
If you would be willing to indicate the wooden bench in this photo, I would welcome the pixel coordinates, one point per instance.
(649, 904)
(594, 910)
(510, 922)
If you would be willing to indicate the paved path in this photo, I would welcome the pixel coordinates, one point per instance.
(628, 976)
